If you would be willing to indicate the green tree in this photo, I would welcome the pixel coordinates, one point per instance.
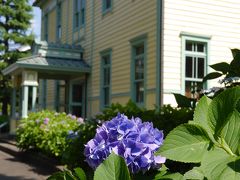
(15, 16)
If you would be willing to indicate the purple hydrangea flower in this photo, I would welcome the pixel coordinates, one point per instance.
(80, 120)
(135, 141)
(72, 135)
(74, 117)
(46, 120)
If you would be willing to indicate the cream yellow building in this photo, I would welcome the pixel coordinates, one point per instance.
(143, 50)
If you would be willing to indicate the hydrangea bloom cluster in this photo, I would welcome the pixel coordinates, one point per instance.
(135, 141)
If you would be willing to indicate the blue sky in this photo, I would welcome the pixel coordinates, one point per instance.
(36, 21)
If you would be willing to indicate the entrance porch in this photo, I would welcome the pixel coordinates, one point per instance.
(54, 77)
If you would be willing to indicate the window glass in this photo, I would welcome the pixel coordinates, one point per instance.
(195, 65)
(77, 93)
(106, 79)
(139, 92)
(138, 84)
(188, 66)
(201, 67)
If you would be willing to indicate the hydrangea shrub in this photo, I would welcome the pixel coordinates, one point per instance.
(131, 139)
(47, 131)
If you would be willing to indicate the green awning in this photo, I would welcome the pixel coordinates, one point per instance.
(48, 64)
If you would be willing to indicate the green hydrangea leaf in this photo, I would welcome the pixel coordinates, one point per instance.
(222, 66)
(174, 176)
(219, 165)
(221, 107)
(212, 75)
(113, 168)
(80, 173)
(195, 173)
(231, 132)
(186, 143)
(200, 116)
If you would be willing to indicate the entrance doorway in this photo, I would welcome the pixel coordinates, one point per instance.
(76, 99)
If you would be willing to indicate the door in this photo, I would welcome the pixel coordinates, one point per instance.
(76, 99)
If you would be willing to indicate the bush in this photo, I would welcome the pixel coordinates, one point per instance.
(166, 118)
(73, 154)
(46, 131)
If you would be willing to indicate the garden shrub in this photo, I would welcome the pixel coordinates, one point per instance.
(73, 155)
(165, 118)
(46, 131)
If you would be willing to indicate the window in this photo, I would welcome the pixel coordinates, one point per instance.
(105, 78)
(107, 5)
(79, 13)
(195, 65)
(82, 14)
(138, 68)
(46, 27)
(59, 23)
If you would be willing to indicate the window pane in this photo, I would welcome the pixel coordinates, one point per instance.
(201, 66)
(200, 47)
(139, 49)
(192, 89)
(83, 16)
(139, 92)
(77, 93)
(106, 96)
(77, 19)
(106, 76)
(189, 46)
(108, 4)
(139, 69)
(106, 59)
(188, 66)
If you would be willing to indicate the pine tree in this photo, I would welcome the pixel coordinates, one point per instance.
(15, 16)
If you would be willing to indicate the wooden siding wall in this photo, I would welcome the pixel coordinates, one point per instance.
(115, 29)
(219, 19)
(127, 20)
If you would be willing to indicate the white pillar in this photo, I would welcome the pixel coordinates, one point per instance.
(24, 101)
(34, 98)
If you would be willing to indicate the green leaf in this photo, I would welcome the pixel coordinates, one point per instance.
(182, 101)
(218, 164)
(80, 173)
(113, 168)
(186, 143)
(235, 52)
(195, 173)
(231, 132)
(235, 63)
(221, 107)
(212, 75)
(222, 66)
(200, 115)
(174, 176)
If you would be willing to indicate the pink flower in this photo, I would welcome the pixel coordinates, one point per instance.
(46, 120)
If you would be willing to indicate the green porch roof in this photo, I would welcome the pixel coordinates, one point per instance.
(48, 64)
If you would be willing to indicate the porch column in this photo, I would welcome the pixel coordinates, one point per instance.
(24, 101)
(29, 79)
(34, 98)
